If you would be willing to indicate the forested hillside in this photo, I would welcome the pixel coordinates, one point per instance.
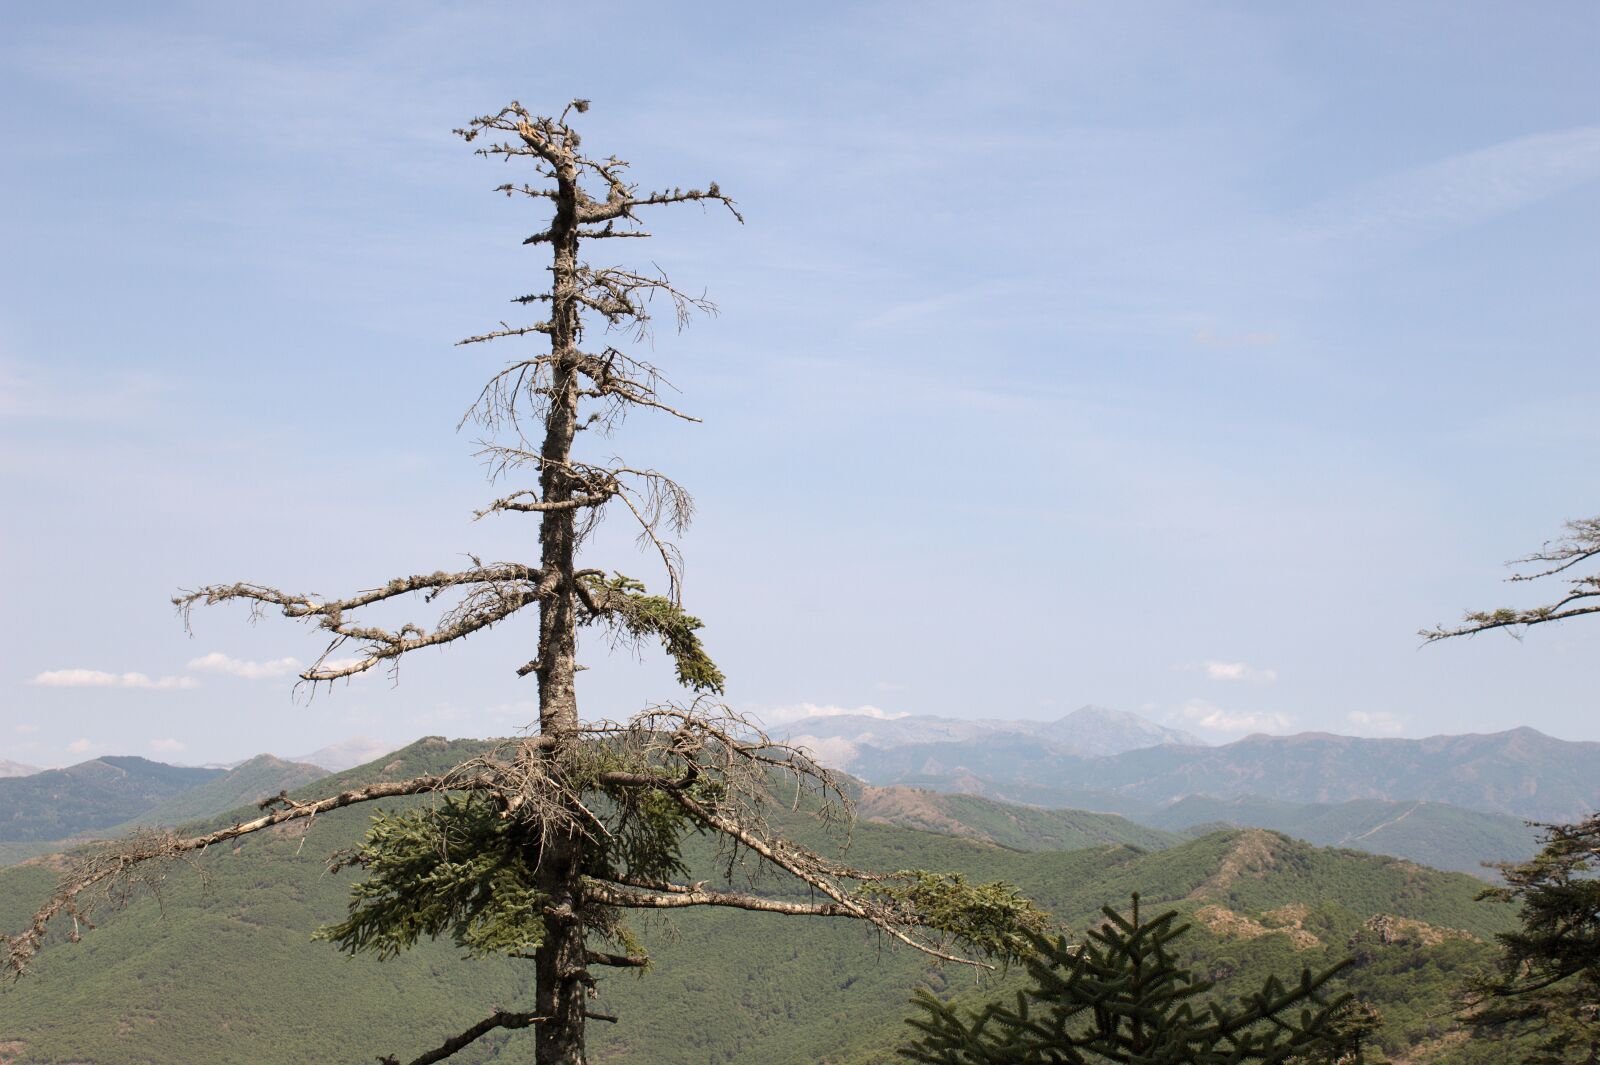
(89, 797)
(222, 970)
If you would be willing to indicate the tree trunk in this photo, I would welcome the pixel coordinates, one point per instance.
(559, 966)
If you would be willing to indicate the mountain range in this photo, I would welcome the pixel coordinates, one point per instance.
(1452, 802)
(17, 769)
(195, 976)
(1087, 731)
(89, 797)
(1105, 760)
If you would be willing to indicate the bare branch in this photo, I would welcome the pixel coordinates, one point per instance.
(1581, 544)
(494, 593)
(498, 1019)
(676, 897)
(118, 860)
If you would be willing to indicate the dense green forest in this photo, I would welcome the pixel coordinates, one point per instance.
(216, 967)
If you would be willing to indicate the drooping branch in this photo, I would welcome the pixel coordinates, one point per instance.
(497, 1019)
(493, 594)
(718, 769)
(677, 896)
(622, 603)
(118, 861)
(1580, 545)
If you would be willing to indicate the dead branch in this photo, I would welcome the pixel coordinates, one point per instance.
(498, 1019)
(634, 898)
(494, 593)
(119, 860)
(1581, 544)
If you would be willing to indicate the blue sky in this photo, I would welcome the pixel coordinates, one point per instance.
(1180, 358)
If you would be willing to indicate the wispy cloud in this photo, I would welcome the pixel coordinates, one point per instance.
(1208, 338)
(1463, 190)
(96, 678)
(1238, 671)
(783, 715)
(80, 746)
(167, 746)
(1208, 715)
(1379, 722)
(25, 729)
(40, 392)
(217, 662)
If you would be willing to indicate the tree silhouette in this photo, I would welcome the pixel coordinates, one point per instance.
(1122, 996)
(540, 849)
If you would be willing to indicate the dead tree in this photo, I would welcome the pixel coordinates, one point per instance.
(1546, 982)
(1564, 558)
(539, 849)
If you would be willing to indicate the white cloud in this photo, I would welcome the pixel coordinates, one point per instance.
(25, 730)
(167, 746)
(782, 715)
(1465, 189)
(829, 750)
(1378, 721)
(96, 678)
(79, 746)
(1238, 671)
(1208, 715)
(217, 662)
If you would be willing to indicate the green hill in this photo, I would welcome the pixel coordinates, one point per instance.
(244, 785)
(221, 970)
(217, 793)
(1010, 825)
(89, 797)
(1431, 833)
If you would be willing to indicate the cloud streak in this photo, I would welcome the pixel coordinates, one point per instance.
(1208, 715)
(1376, 722)
(1238, 671)
(217, 662)
(784, 715)
(97, 678)
(1463, 190)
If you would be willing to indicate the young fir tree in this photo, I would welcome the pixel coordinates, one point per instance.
(1547, 983)
(1123, 996)
(539, 850)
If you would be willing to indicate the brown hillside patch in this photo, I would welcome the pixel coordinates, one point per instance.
(11, 1050)
(1292, 915)
(1252, 854)
(56, 863)
(1430, 1051)
(1224, 922)
(1392, 929)
(910, 808)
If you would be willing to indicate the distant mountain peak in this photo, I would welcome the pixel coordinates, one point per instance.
(346, 754)
(1100, 730)
(1089, 731)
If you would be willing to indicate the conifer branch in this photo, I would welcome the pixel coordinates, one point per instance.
(121, 860)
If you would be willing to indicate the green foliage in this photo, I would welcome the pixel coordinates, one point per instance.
(455, 869)
(1548, 975)
(993, 918)
(1124, 996)
(626, 606)
(182, 989)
